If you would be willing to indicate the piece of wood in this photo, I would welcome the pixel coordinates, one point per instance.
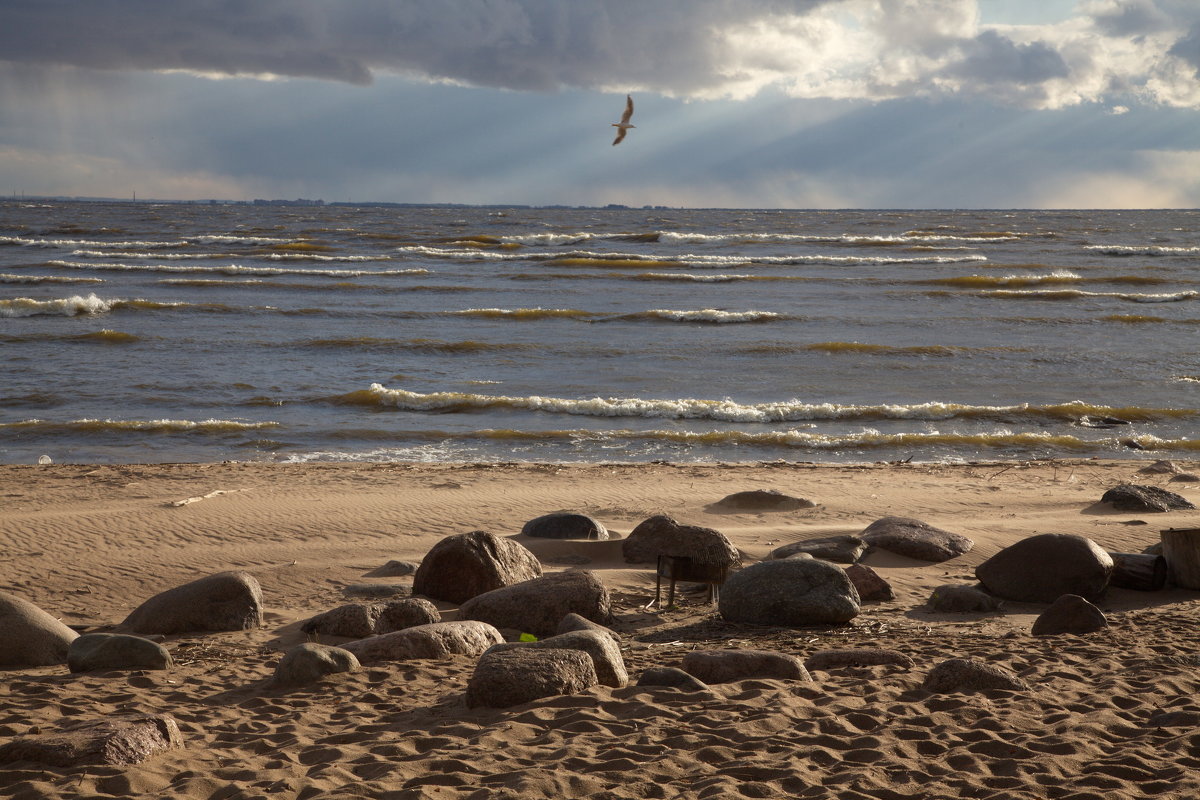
(1181, 549)
(1142, 572)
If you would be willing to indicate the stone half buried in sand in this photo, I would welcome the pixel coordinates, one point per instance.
(506, 678)
(726, 666)
(1069, 614)
(605, 653)
(791, 592)
(467, 564)
(565, 525)
(915, 539)
(1144, 499)
(662, 536)
(227, 601)
(310, 662)
(439, 640)
(101, 651)
(538, 606)
(959, 599)
(970, 675)
(29, 636)
(857, 657)
(762, 500)
(1040, 569)
(359, 620)
(841, 549)
(128, 739)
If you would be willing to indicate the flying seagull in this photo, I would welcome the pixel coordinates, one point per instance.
(624, 125)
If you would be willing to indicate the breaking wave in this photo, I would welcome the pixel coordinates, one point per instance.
(1075, 294)
(208, 426)
(236, 269)
(73, 306)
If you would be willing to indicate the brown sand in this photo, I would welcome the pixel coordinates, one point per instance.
(89, 543)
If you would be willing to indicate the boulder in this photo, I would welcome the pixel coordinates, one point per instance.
(537, 606)
(227, 601)
(29, 636)
(726, 666)
(1041, 568)
(359, 620)
(673, 677)
(962, 600)
(1185, 477)
(1069, 614)
(762, 500)
(437, 640)
(1140, 499)
(663, 536)
(115, 741)
(1160, 468)
(505, 678)
(309, 662)
(969, 675)
(97, 651)
(842, 549)
(574, 622)
(395, 569)
(468, 564)
(856, 657)
(375, 591)
(915, 539)
(870, 586)
(606, 655)
(565, 525)
(789, 591)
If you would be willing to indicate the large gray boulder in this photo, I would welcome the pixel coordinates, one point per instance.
(565, 525)
(841, 549)
(359, 620)
(537, 606)
(309, 662)
(726, 666)
(29, 636)
(789, 591)
(871, 586)
(1069, 614)
(606, 655)
(1143, 499)
(227, 601)
(505, 678)
(97, 651)
(1041, 568)
(439, 640)
(915, 539)
(462, 566)
(663, 536)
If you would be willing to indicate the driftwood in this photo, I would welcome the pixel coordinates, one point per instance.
(1140, 571)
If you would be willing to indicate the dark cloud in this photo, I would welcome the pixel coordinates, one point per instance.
(1132, 18)
(990, 58)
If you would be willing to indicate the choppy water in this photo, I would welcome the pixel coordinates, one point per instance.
(159, 332)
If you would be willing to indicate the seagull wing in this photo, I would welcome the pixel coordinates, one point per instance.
(628, 110)
(620, 136)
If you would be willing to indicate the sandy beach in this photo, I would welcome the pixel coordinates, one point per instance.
(89, 543)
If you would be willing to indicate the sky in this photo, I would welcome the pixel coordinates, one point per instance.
(739, 103)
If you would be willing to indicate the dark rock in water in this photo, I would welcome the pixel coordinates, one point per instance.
(309, 662)
(1040, 569)
(1100, 422)
(1069, 614)
(762, 500)
(1132, 497)
(962, 599)
(126, 739)
(565, 525)
(725, 666)
(29, 636)
(969, 675)
(673, 677)
(537, 606)
(1132, 444)
(227, 601)
(467, 564)
(870, 586)
(841, 549)
(791, 592)
(506, 678)
(97, 651)
(857, 657)
(662, 536)
(915, 539)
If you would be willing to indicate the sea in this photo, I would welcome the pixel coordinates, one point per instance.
(136, 332)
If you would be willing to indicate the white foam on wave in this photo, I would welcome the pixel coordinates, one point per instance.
(1067, 294)
(73, 306)
(713, 315)
(685, 276)
(8, 277)
(1140, 250)
(236, 269)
